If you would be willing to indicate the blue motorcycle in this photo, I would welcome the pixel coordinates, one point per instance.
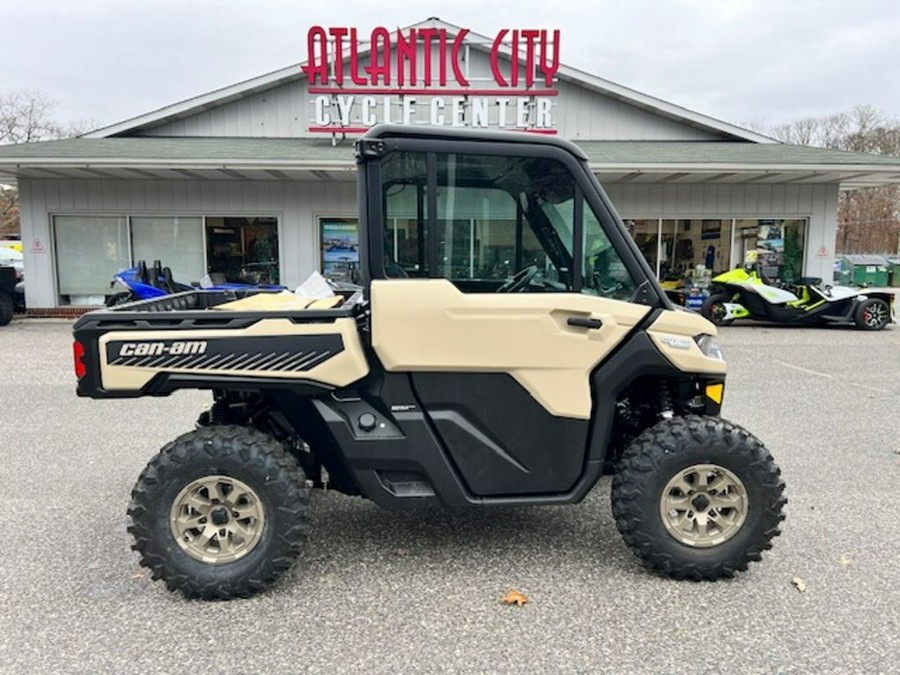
(143, 283)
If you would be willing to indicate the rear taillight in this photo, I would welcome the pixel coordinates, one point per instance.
(78, 351)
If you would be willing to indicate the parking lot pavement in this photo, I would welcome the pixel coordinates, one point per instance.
(382, 592)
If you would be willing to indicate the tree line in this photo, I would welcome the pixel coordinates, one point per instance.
(869, 218)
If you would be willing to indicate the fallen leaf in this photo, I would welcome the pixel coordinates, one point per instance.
(843, 561)
(799, 583)
(513, 597)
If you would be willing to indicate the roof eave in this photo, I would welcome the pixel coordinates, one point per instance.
(741, 167)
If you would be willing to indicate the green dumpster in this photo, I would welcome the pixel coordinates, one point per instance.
(894, 269)
(866, 270)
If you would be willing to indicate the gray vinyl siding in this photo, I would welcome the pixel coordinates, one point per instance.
(587, 115)
(287, 111)
(296, 205)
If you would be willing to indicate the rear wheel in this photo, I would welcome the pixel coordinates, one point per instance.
(697, 498)
(873, 314)
(714, 309)
(219, 513)
(7, 308)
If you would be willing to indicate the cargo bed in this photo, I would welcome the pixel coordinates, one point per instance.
(207, 340)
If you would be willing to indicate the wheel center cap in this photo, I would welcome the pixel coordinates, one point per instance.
(700, 502)
(219, 516)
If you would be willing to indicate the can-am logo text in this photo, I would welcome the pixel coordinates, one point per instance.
(177, 348)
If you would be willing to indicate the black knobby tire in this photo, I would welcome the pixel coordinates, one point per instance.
(713, 309)
(662, 453)
(7, 308)
(258, 462)
(873, 314)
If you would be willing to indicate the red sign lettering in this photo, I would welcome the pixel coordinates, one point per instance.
(400, 53)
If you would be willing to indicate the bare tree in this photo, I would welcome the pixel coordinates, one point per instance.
(26, 116)
(9, 211)
(868, 219)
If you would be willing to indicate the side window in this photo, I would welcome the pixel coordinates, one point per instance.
(482, 236)
(603, 271)
(501, 223)
(405, 215)
(491, 226)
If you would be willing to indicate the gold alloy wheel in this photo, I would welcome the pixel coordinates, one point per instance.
(704, 505)
(217, 519)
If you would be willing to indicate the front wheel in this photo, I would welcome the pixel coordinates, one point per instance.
(873, 314)
(697, 498)
(219, 513)
(714, 309)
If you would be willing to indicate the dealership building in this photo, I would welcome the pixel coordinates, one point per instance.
(256, 181)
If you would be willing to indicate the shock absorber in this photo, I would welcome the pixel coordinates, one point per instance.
(666, 409)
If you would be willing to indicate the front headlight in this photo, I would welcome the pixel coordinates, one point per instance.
(710, 347)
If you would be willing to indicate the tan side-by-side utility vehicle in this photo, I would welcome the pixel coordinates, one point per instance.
(508, 344)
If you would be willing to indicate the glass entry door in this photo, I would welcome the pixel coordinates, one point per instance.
(242, 249)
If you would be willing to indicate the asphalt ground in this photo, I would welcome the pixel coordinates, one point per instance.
(377, 592)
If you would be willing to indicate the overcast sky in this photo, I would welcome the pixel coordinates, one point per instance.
(736, 60)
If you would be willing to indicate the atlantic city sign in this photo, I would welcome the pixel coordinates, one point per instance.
(425, 76)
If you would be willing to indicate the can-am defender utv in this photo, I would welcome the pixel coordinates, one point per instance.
(509, 344)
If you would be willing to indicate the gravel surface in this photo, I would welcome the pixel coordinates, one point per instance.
(401, 593)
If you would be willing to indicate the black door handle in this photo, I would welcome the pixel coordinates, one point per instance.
(585, 322)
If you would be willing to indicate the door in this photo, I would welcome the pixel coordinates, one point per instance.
(506, 294)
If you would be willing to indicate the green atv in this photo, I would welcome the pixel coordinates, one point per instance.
(508, 345)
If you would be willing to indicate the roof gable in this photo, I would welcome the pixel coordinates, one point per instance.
(273, 105)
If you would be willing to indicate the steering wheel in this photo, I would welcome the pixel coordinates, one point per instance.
(520, 280)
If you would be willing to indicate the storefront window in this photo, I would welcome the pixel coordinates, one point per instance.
(339, 239)
(676, 247)
(777, 244)
(242, 250)
(177, 242)
(89, 252)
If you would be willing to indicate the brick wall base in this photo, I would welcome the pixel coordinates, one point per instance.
(57, 312)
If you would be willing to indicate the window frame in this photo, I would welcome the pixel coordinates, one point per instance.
(588, 191)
